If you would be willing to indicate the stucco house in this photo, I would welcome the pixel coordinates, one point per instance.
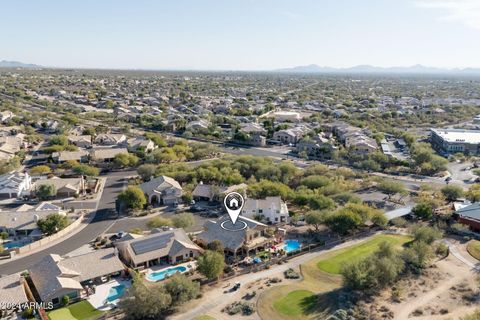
(55, 277)
(162, 190)
(270, 209)
(160, 247)
(15, 184)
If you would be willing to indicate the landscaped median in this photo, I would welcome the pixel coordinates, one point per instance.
(82, 310)
(301, 300)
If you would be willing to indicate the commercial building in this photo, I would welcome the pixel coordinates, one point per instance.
(450, 141)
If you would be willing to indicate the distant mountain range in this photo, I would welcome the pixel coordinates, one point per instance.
(17, 64)
(313, 68)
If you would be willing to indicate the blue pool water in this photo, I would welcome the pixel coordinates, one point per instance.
(160, 275)
(116, 292)
(13, 244)
(291, 245)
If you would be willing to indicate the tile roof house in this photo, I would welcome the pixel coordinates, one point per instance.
(106, 154)
(237, 243)
(10, 145)
(54, 276)
(64, 156)
(66, 187)
(271, 209)
(136, 144)
(289, 136)
(162, 190)
(110, 139)
(167, 247)
(12, 291)
(23, 220)
(212, 192)
(15, 184)
(81, 141)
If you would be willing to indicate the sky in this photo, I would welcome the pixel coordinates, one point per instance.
(240, 34)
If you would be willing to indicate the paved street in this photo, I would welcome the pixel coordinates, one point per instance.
(103, 219)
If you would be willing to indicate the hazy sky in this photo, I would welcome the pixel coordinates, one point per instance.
(240, 34)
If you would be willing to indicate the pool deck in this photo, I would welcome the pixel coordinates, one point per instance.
(99, 298)
(190, 265)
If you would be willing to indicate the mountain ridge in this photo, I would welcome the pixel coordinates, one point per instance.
(314, 68)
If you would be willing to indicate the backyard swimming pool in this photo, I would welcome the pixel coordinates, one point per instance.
(116, 292)
(160, 275)
(13, 244)
(291, 245)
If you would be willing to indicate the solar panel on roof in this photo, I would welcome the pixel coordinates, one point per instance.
(151, 244)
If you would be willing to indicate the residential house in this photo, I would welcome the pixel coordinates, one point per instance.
(160, 247)
(105, 154)
(289, 136)
(65, 187)
(64, 156)
(23, 220)
(12, 292)
(15, 185)
(55, 277)
(469, 215)
(139, 143)
(361, 144)
(10, 145)
(81, 141)
(237, 243)
(318, 147)
(270, 209)
(110, 139)
(208, 192)
(162, 190)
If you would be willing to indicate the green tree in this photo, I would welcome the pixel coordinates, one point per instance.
(65, 300)
(183, 220)
(39, 170)
(426, 234)
(46, 191)
(52, 223)
(391, 188)
(343, 221)
(158, 222)
(182, 289)
(123, 160)
(133, 197)
(423, 210)
(315, 219)
(85, 170)
(452, 192)
(144, 302)
(473, 193)
(211, 264)
(146, 171)
(216, 245)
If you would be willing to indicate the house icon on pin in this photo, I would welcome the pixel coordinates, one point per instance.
(234, 203)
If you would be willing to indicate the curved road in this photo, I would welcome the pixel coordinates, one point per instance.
(104, 217)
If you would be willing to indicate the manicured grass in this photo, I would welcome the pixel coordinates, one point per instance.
(204, 317)
(333, 263)
(295, 303)
(473, 247)
(82, 310)
(61, 314)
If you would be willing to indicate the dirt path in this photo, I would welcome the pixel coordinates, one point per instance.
(403, 310)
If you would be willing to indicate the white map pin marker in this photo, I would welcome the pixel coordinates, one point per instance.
(233, 203)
